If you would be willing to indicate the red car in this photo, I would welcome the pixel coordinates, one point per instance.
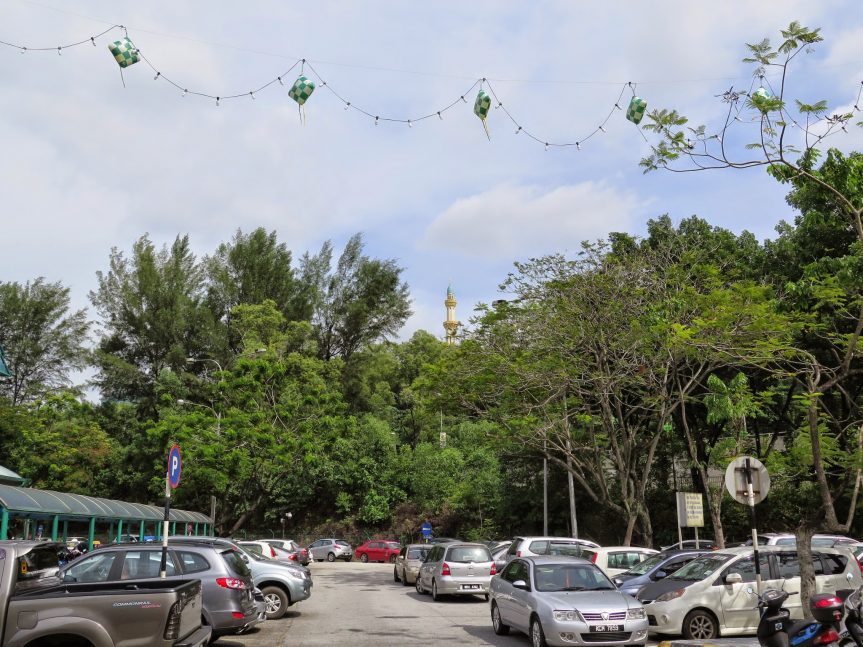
(378, 550)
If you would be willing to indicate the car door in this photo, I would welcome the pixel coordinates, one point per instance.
(787, 567)
(100, 566)
(738, 607)
(520, 599)
(376, 551)
(316, 549)
(428, 566)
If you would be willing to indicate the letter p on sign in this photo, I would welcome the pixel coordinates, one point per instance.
(175, 466)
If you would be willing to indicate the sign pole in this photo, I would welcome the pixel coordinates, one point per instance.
(679, 525)
(750, 497)
(163, 566)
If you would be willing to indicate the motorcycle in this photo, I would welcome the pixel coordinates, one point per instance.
(853, 634)
(776, 629)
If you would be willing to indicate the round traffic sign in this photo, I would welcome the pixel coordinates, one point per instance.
(175, 466)
(736, 479)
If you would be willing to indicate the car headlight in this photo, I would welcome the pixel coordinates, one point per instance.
(297, 575)
(564, 615)
(671, 595)
(636, 614)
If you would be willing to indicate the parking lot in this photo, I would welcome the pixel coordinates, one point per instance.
(359, 604)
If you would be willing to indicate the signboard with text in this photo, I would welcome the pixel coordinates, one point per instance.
(690, 510)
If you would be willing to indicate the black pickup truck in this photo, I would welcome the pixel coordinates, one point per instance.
(38, 610)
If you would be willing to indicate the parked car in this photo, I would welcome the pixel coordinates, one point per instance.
(38, 610)
(291, 546)
(691, 544)
(228, 601)
(532, 546)
(378, 550)
(614, 560)
(282, 584)
(271, 551)
(408, 563)
(457, 568)
(499, 555)
(708, 597)
(331, 550)
(654, 568)
(562, 602)
(788, 539)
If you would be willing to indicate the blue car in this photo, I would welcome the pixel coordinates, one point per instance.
(653, 569)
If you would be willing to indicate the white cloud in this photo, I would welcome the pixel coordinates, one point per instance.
(511, 221)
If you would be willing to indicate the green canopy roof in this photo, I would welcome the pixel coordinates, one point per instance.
(8, 476)
(31, 501)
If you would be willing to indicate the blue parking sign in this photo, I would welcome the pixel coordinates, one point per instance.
(426, 529)
(175, 466)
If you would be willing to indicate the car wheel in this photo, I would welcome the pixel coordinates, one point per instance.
(435, 595)
(331, 557)
(392, 559)
(277, 601)
(537, 635)
(396, 575)
(499, 627)
(419, 586)
(700, 625)
(363, 558)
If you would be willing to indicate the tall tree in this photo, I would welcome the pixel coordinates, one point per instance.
(362, 301)
(43, 339)
(153, 318)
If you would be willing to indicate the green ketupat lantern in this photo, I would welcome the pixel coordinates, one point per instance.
(480, 109)
(760, 97)
(125, 53)
(635, 111)
(300, 92)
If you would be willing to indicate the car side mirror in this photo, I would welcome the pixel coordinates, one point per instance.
(69, 578)
(849, 577)
(521, 584)
(659, 575)
(733, 578)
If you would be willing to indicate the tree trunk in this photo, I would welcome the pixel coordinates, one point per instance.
(632, 517)
(807, 569)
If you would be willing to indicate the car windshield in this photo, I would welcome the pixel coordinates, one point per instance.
(394, 544)
(467, 554)
(418, 553)
(701, 567)
(570, 577)
(342, 542)
(647, 565)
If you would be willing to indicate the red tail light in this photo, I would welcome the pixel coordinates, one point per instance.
(237, 615)
(493, 569)
(444, 570)
(829, 636)
(827, 602)
(272, 552)
(859, 565)
(230, 583)
(518, 553)
(292, 556)
(593, 558)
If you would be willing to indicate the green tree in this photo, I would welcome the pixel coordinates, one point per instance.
(43, 339)
(153, 318)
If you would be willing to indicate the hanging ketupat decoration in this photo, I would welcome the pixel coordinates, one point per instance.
(125, 53)
(635, 111)
(300, 92)
(480, 109)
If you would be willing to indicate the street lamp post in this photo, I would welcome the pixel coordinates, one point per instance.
(287, 516)
(189, 360)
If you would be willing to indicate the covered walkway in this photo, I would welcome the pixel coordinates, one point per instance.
(60, 508)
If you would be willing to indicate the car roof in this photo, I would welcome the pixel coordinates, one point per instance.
(539, 560)
(745, 550)
(637, 548)
(418, 545)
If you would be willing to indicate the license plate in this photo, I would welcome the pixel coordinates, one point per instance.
(603, 628)
(470, 586)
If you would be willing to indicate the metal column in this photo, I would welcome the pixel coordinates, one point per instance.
(92, 534)
(4, 524)
(55, 527)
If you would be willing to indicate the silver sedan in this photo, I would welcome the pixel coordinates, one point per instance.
(564, 601)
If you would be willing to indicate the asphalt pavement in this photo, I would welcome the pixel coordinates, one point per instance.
(359, 604)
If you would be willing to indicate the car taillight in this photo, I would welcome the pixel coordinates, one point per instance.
(230, 583)
(859, 565)
(292, 556)
(272, 552)
(237, 615)
(593, 558)
(172, 628)
(493, 569)
(829, 636)
(444, 570)
(518, 553)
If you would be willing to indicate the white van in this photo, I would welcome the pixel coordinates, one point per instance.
(708, 597)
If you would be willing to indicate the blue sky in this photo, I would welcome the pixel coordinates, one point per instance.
(89, 165)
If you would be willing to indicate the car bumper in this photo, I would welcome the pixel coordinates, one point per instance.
(224, 622)
(300, 590)
(463, 585)
(577, 633)
(411, 575)
(198, 638)
(663, 618)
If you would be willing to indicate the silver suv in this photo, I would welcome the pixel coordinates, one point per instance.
(331, 550)
(226, 582)
(282, 584)
(531, 546)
